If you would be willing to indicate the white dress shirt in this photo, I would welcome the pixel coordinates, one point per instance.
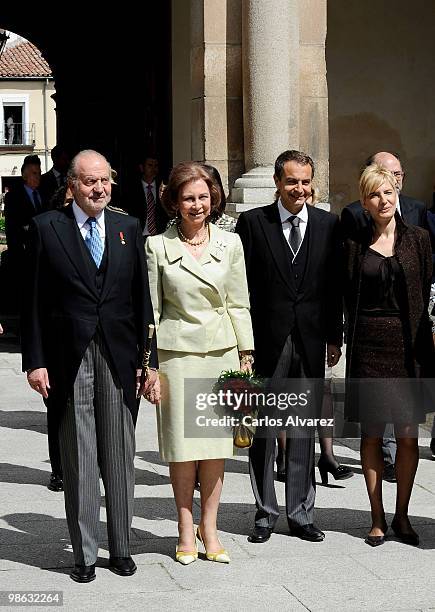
(286, 225)
(82, 221)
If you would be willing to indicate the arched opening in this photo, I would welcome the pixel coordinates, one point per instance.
(112, 74)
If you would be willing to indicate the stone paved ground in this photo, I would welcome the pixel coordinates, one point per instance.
(342, 573)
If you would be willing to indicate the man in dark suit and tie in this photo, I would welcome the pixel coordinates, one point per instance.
(55, 178)
(21, 205)
(142, 198)
(86, 311)
(292, 254)
(356, 223)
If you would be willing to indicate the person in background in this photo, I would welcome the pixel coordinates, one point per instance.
(55, 178)
(198, 284)
(141, 197)
(387, 284)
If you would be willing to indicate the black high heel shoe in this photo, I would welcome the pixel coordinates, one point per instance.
(410, 538)
(339, 472)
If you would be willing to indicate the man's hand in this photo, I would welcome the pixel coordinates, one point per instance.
(148, 388)
(38, 380)
(154, 395)
(333, 354)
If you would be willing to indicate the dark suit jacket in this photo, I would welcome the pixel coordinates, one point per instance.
(63, 307)
(354, 220)
(19, 211)
(48, 187)
(276, 305)
(134, 202)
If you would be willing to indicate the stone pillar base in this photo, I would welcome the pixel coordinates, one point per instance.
(254, 188)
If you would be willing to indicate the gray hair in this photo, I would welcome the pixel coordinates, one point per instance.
(72, 170)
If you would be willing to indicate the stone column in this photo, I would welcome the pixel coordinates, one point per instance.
(270, 47)
(314, 138)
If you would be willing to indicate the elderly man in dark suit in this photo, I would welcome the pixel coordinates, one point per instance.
(354, 225)
(87, 308)
(292, 254)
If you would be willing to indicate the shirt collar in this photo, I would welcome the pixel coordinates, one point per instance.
(30, 191)
(153, 183)
(56, 173)
(285, 214)
(82, 217)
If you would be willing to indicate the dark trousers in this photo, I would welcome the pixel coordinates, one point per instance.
(300, 486)
(54, 413)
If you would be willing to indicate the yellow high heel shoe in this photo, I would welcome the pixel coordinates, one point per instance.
(186, 557)
(221, 556)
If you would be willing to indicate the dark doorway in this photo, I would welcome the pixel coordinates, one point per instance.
(112, 72)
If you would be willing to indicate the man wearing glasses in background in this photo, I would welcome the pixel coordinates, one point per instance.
(354, 223)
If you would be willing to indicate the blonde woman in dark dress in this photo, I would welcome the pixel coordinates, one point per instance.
(387, 292)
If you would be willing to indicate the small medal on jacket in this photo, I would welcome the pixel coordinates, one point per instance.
(121, 235)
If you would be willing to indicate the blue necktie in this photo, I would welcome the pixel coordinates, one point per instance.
(94, 242)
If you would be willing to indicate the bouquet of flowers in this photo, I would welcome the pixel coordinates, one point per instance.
(240, 393)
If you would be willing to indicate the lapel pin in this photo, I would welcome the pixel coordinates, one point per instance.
(121, 235)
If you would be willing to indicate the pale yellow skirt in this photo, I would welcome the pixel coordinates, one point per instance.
(174, 368)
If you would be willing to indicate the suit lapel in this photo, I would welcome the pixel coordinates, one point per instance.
(66, 228)
(272, 228)
(176, 250)
(115, 250)
(314, 235)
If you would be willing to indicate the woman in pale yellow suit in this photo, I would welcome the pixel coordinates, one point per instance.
(201, 309)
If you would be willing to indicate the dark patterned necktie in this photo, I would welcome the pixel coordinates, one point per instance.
(151, 212)
(295, 234)
(36, 201)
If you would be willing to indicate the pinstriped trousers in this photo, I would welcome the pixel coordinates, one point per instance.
(300, 485)
(97, 436)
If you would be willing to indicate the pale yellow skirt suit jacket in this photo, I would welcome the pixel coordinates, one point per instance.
(201, 311)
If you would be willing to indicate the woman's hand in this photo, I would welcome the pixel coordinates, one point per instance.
(246, 361)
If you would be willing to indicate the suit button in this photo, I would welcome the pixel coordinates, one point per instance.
(296, 275)
(220, 310)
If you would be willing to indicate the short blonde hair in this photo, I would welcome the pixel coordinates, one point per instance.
(372, 178)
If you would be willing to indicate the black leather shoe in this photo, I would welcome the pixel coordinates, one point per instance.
(390, 473)
(407, 537)
(123, 566)
(432, 447)
(338, 471)
(56, 482)
(307, 532)
(83, 573)
(260, 535)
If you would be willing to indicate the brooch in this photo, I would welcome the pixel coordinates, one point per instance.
(121, 235)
